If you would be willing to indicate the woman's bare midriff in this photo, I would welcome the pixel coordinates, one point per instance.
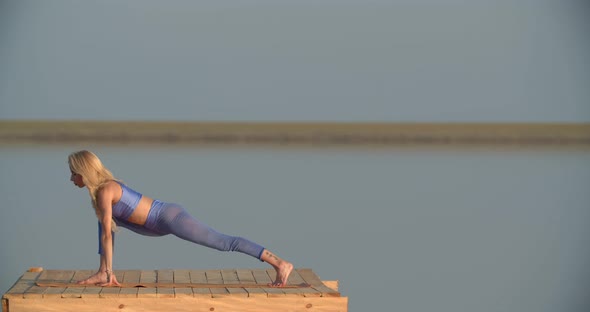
(140, 214)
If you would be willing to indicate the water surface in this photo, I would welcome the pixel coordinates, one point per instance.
(408, 229)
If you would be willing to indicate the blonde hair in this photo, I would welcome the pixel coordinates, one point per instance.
(94, 175)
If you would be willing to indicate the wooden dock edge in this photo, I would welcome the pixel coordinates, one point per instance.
(297, 304)
(293, 133)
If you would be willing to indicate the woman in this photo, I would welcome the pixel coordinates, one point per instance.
(116, 204)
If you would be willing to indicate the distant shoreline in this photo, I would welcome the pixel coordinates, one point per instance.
(293, 133)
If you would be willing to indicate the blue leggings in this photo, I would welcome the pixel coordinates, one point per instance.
(167, 218)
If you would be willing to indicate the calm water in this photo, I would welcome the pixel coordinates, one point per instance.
(402, 229)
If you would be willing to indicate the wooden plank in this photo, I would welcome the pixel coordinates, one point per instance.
(84, 291)
(185, 304)
(182, 277)
(59, 277)
(262, 277)
(4, 305)
(169, 285)
(76, 292)
(37, 291)
(18, 289)
(80, 275)
(147, 277)
(91, 291)
(288, 291)
(130, 276)
(331, 284)
(316, 283)
(31, 276)
(296, 279)
(112, 292)
(22, 285)
(214, 277)
(230, 277)
(167, 277)
(200, 277)
(245, 277)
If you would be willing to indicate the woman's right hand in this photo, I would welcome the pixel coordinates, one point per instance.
(112, 280)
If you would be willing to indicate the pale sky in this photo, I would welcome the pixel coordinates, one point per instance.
(393, 61)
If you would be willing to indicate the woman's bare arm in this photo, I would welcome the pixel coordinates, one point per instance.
(104, 200)
(106, 264)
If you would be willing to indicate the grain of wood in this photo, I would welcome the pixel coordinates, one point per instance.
(214, 277)
(200, 277)
(36, 291)
(332, 284)
(76, 292)
(91, 291)
(246, 277)
(130, 276)
(165, 276)
(288, 291)
(296, 279)
(166, 285)
(23, 284)
(261, 277)
(316, 283)
(147, 277)
(186, 304)
(231, 277)
(59, 277)
(182, 277)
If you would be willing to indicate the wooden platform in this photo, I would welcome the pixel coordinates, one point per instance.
(174, 290)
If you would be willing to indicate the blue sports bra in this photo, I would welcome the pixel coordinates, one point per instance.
(127, 204)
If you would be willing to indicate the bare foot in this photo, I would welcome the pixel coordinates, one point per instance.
(100, 278)
(283, 271)
(96, 278)
(282, 267)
